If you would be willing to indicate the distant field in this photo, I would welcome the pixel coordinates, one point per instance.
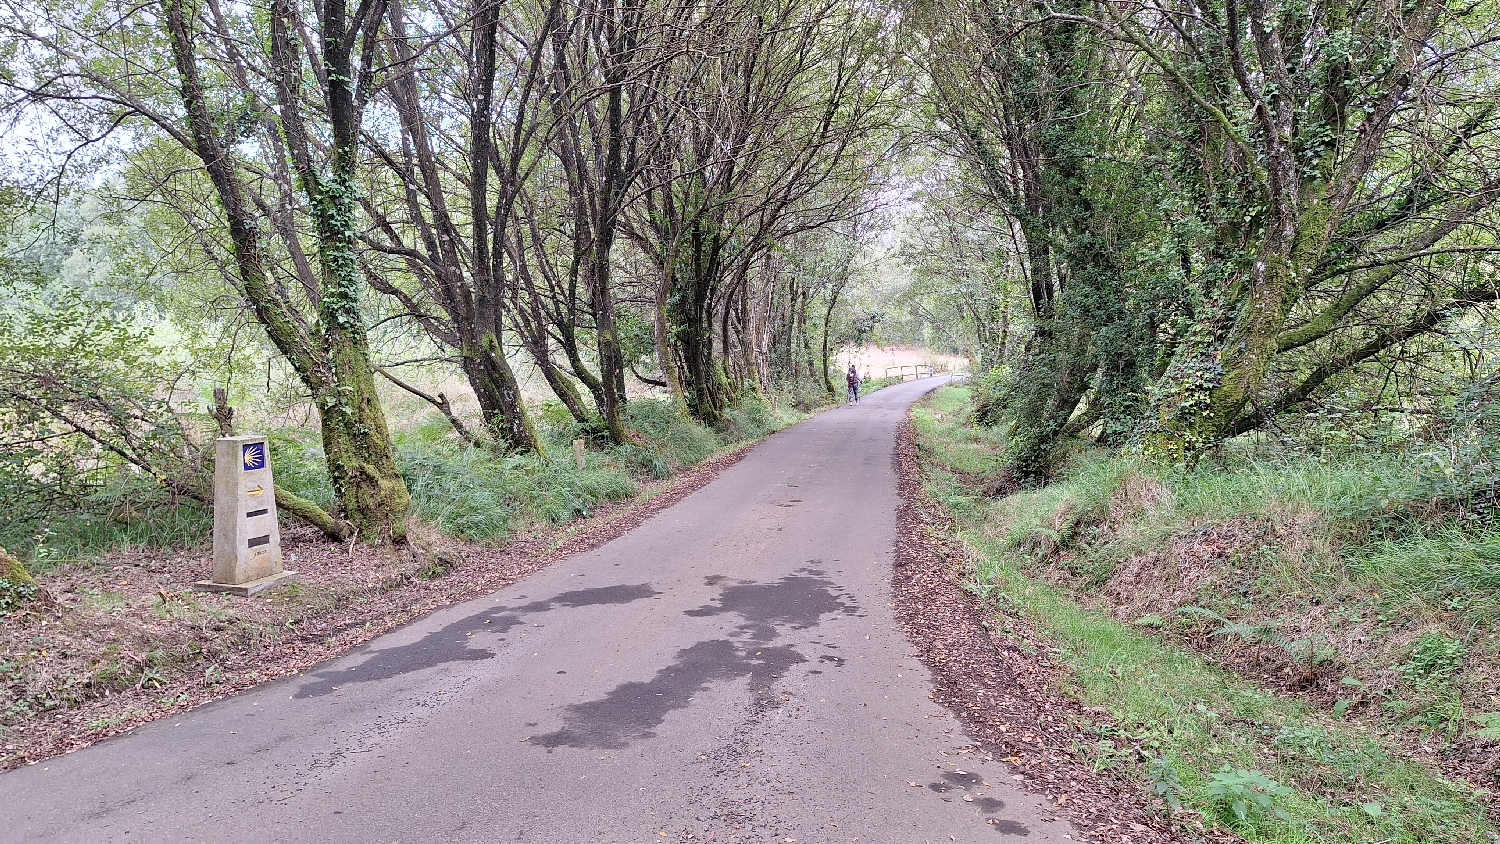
(873, 360)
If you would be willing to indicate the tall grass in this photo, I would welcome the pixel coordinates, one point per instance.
(680, 440)
(1448, 570)
(1350, 487)
(460, 490)
(469, 493)
(128, 515)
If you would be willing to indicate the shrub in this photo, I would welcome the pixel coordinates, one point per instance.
(1246, 792)
(750, 418)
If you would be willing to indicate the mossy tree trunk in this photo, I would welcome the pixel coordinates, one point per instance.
(498, 393)
(330, 357)
(461, 269)
(483, 354)
(361, 457)
(662, 336)
(17, 586)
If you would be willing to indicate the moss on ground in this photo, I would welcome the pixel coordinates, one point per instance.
(17, 588)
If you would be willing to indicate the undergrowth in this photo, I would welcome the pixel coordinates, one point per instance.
(1300, 560)
(462, 491)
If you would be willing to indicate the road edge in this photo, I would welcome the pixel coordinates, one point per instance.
(1004, 690)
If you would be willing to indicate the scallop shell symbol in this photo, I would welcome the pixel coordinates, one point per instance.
(254, 456)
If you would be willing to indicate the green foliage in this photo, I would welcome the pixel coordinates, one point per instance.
(470, 493)
(1434, 657)
(682, 441)
(1209, 739)
(125, 514)
(466, 491)
(87, 435)
(1245, 793)
(637, 343)
(298, 464)
(1488, 728)
(1166, 784)
(462, 491)
(751, 418)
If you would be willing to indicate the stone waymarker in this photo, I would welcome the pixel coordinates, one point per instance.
(247, 543)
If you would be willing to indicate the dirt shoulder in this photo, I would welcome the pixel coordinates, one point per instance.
(125, 640)
(1002, 684)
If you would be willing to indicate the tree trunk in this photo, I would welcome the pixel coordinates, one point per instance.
(833, 301)
(666, 350)
(499, 395)
(334, 363)
(484, 357)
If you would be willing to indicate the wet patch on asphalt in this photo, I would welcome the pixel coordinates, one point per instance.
(963, 782)
(795, 602)
(451, 643)
(631, 711)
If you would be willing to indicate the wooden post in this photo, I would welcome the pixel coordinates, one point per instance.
(578, 453)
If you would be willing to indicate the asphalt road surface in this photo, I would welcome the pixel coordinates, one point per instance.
(730, 671)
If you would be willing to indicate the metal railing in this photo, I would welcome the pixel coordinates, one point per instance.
(921, 370)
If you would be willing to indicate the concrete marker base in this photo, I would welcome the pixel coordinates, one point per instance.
(248, 588)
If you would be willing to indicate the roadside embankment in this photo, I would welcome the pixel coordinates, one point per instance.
(1288, 652)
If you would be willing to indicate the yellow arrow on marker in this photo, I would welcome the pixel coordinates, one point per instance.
(259, 490)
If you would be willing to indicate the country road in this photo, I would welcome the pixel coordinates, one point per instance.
(729, 671)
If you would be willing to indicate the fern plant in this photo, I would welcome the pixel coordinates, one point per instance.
(1307, 651)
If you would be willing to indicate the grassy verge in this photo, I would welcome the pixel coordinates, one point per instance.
(874, 384)
(1273, 766)
(459, 491)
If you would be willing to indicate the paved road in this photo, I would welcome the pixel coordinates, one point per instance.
(731, 671)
